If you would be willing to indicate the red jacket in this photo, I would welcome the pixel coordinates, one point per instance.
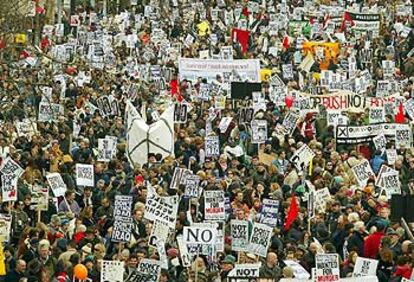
(403, 271)
(372, 244)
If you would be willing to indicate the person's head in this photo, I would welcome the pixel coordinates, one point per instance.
(133, 261)
(105, 202)
(20, 266)
(313, 248)
(70, 195)
(359, 226)
(240, 214)
(239, 196)
(138, 214)
(43, 249)
(271, 259)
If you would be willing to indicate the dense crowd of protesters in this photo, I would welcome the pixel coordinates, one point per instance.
(77, 229)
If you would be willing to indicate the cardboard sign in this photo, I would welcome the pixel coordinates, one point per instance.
(5, 226)
(180, 176)
(289, 123)
(246, 115)
(269, 212)
(199, 235)
(363, 172)
(112, 271)
(365, 267)
(212, 146)
(260, 239)
(56, 183)
(122, 229)
(85, 175)
(298, 270)
(327, 267)
(106, 149)
(380, 142)
(9, 166)
(159, 232)
(191, 186)
(214, 205)
(161, 208)
(244, 271)
(302, 157)
(9, 187)
(403, 136)
(376, 115)
(259, 131)
(180, 113)
(391, 156)
(151, 268)
(239, 235)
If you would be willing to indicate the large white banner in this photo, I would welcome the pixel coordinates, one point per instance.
(192, 69)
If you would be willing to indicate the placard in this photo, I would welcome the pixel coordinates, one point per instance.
(364, 133)
(56, 183)
(327, 267)
(269, 212)
(302, 157)
(403, 136)
(214, 205)
(290, 121)
(106, 149)
(239, 235)
(9, 187)
(376, 115)
(391, 156)
(160, 231)
(260, 239)
(363, 172)
(5, 226)
(365, 267)
(151, 268)
(84, 175)
(212, 146)
(180, 113)
(161, 208)
(259, 131)
(246, 115)
(191, 186)
(112, 271)
(9, 166)
(380, 142)
(199, 235)
(244, 272)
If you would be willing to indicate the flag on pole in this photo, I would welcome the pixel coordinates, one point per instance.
(292, 213)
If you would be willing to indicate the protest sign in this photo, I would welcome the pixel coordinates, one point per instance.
(5, 226)
(322, 196)
(245, 271)
(106, 149)
(376, 115)
(212, 146)
(9, 187)
(9, 166)
(364, 133)
(138, 276)
(180, 176)
(84, 175)
(56, 183)
(365, 267)
(161, 208)
(150, 267)
(302, 157)
(403, 136)
(220, 102)
(363, 22)
(290, 121)
(259, 131)
(239, 235)
(298, 270)
(108, 106)
(269, 212)
(246, 115)
(363, 172)
(26, 128)
(199, 235)
(287, 71)
(185, 257)
(40, 197)
(123, 206)
(327, 267)
(159, 231)
(214, 205)
(260, 239)
(49, 111)
(224, 124)
(122, 229)
(380, 142)
(191, 69)
(180, 113)
(191, 186)
(391, 183)
(112, 271)
(391, 156)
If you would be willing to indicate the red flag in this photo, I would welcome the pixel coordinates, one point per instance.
(286, 42)
(292, 213)
(242, 36)
(347, 19)
(173, 87)
(399, 117)
(40, 10)
(24, 54)
(245, 12)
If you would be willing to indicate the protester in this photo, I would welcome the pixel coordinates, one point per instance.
(204, 140)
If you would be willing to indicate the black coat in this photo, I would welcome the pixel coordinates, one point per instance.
(356, 243)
